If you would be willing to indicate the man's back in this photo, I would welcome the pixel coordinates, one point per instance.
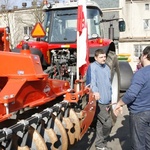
(139, 91)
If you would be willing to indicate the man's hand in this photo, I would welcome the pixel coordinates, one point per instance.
(96, 95)
(118, 109)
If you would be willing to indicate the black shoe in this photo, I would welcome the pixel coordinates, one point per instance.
(103, 148)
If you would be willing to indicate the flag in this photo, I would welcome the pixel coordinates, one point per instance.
(82, 38)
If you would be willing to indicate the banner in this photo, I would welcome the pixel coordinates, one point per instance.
(82, 38)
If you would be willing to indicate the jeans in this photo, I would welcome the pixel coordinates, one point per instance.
(103, 125)
(140, 130)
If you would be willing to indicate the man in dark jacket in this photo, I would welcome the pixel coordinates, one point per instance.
(137, 98)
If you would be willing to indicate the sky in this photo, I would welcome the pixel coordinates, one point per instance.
(18, 3)
(11, 3)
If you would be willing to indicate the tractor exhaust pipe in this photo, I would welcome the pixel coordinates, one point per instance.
(111, 32)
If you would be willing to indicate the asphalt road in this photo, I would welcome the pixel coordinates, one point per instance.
(118, 140)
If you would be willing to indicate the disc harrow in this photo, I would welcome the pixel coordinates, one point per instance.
(40, 113)
(54, 128)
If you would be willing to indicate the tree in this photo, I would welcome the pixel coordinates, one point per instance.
(20, 20)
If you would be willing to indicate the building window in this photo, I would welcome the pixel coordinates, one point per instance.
(146, 24)
(27, 30)
(146, 6)
(138, 49)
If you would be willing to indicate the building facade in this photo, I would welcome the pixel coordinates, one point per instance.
(20, 21)
(136, 14)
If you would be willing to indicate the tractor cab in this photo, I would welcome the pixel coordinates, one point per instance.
(61, 23)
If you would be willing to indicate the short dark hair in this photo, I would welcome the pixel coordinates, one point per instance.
(99, 51)
(146, 51)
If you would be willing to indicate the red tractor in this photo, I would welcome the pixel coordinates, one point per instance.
(43, 105)
(57, 49)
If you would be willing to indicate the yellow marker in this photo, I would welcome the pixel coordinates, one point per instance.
(38, 31)
(65, 46)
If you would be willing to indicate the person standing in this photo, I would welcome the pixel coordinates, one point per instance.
(99, 78)
(137, 99)
(139, 65)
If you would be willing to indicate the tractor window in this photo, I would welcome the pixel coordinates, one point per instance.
(61, 24)
(57, 32)
(64, 26)
(93, 18)
(47, 24)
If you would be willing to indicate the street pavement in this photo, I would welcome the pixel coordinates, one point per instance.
(119, 138)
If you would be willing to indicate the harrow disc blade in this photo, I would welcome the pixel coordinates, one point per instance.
(62, 139)
(53, 139)
(35, 141)
(75, 120)
(23, 148)
(14, 144)
(69, 129)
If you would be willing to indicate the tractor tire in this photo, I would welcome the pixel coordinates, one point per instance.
(126, 74)
(113, 64)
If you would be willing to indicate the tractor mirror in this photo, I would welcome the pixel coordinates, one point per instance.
(122, 26)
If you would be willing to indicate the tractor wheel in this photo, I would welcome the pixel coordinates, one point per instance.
(126, 74)
(112, 62)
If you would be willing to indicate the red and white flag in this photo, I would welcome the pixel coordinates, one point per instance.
(82, 38)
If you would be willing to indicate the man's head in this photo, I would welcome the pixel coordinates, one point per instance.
(100, 56)
(145, 58)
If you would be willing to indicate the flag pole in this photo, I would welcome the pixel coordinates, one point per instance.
(77, 71)
(78, 48)
(82, 39)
